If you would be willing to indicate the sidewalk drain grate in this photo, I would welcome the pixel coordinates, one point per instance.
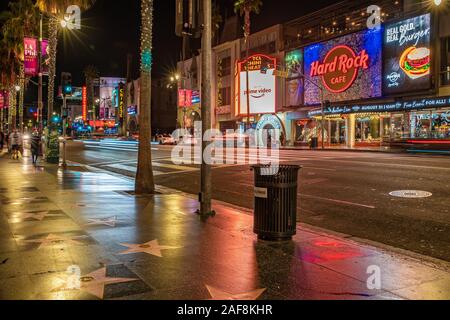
(411, 194)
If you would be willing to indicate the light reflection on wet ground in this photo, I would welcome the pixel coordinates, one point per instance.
(51, 220)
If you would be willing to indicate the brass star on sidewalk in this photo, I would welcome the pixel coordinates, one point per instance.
(34, 215)
(93, 283)
(53, 239)
(110, 222)
(217, 294)
(152, 248)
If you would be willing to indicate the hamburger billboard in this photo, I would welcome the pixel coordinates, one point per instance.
(407, 55)
(347, 68)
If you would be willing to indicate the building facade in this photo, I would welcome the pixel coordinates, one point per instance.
(379, 83)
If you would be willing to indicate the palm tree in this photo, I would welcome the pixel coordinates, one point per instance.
(246, 8)
(55, 10)
(144, 175)
(216, 20)
(91, 74)
(23, 21)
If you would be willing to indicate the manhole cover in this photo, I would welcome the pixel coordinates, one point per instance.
(411, 194)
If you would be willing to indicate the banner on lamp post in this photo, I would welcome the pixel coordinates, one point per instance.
(45, 56)
(30, 56)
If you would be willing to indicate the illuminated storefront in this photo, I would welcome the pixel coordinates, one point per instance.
(370, 79)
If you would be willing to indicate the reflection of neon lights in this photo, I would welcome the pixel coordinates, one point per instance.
(429, 141)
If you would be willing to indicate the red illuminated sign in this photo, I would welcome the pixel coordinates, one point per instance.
(184, 98)
(340, 68)
(84, 103)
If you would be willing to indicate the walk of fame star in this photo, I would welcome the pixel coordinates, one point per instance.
(110, 222)
(40, 215)
(93, 283)
(152, 248)
(53, 239)
(217, 294)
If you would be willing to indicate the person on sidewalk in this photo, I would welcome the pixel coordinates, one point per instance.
(16, 143)
(44, 144)
(2, 140)
(35, 146)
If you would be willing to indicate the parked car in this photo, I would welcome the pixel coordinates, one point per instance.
(165, 139)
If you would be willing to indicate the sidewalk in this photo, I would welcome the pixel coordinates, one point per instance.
(55, 225)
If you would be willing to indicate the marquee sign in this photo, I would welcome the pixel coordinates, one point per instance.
(261, 85)
(400, 106)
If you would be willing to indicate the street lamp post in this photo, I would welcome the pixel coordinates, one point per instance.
(40, 85)
(64, 114)
(206, 174)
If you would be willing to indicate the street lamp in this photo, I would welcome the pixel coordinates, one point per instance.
(437, 2)
(17, 87)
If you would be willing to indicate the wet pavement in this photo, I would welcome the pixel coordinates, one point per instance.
(78, 234)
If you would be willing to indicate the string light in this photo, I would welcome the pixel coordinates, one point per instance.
(147, 35)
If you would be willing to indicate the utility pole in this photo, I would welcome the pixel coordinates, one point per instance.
(125, 111)
(64, 142)
(40, 104)
(206, 193)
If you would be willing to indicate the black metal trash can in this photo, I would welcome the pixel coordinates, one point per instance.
(314, 143)
(275, 216)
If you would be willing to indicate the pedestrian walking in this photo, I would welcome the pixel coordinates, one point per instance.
(16, 144)
(35, 146)
(44, 144)
(2, 140)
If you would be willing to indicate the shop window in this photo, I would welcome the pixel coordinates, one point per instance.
(445, 61)
(226, 66)
(225, 97)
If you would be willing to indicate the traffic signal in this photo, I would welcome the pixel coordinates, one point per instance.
(188, 18)
(66, 83)
(264, 68)
(56, 119)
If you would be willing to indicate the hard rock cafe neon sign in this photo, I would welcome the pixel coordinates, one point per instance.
(340, 68)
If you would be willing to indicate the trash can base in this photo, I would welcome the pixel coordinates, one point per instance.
(274, 238)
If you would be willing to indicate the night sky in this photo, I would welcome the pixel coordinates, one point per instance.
(111, 30)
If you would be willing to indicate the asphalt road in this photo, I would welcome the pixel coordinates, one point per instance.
(346, 192)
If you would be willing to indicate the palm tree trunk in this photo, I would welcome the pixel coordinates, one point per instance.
(53, 44)
(21, 95)
(144, 176)
(10, 108)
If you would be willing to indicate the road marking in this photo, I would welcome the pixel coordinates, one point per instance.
(337, 201)
(317, 168)
(374, 164)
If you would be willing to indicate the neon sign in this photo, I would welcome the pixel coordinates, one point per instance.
(340, 68)
(84, 103)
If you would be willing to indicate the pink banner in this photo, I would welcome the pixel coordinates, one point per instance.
(45, 57)
(2, 100)
(31, 57)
